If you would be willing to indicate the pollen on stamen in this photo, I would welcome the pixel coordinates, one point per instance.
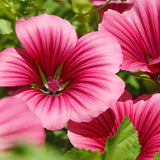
(54, 85)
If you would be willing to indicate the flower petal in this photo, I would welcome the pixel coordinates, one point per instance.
(92, 135)
(17, 68)
(147, 121)
(117, 5)
(18, 124)
(144, 114)
(54, 111)
(131, 42)
(92, 92)
(94, 51)
(48, 39)
(123, 107)
(144, 16)
(89, 68)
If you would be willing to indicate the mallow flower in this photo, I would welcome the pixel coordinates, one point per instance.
(117, 5)
(18, 125)
(138, 33)
(67, 77)
(144, 113)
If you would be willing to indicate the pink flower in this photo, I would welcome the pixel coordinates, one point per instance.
(73, 78)
(138, 32)
(18, 125)
(144, 112)
(117, 5)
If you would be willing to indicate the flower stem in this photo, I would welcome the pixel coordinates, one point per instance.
(90, 12)
(14, 10)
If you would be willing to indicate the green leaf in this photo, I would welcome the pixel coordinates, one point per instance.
(124, 145)
(5, 27)
(82, 154)
(24, 152)
(81, 6)
(157, 156)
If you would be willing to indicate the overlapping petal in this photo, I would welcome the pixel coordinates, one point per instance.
(48, 39)
(92, 135)
(54, 111)
(138, 33)
(17, 68)
(18, 124)
(144, 113)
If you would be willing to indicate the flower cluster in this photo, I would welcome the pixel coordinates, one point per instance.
(64, 79)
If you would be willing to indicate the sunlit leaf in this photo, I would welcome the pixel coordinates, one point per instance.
(82, 154)
(157, 156)
(124, 145)
(33, 153)
(5, 27)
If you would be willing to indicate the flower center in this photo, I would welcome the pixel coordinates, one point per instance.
(54, 85)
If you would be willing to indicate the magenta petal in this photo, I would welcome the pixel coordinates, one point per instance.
(123, 107)
(93, 87)
(154, 65)
(117, 5)
(92, 94)
(94, 51)
(147, 121)
(18, 124)
(80, 101)
(144, 16)
(131, 42)
(144, 113)
(17, 68)
(48, 39)
(120, 6)
(92, 135)
(138, 33)
(54, 111)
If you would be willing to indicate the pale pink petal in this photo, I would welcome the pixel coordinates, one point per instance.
(54, 111)
(131, 42)
(48, 39)
(17, 68)
(18, 124)
(147, 121)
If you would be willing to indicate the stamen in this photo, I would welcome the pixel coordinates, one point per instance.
(54, 85)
